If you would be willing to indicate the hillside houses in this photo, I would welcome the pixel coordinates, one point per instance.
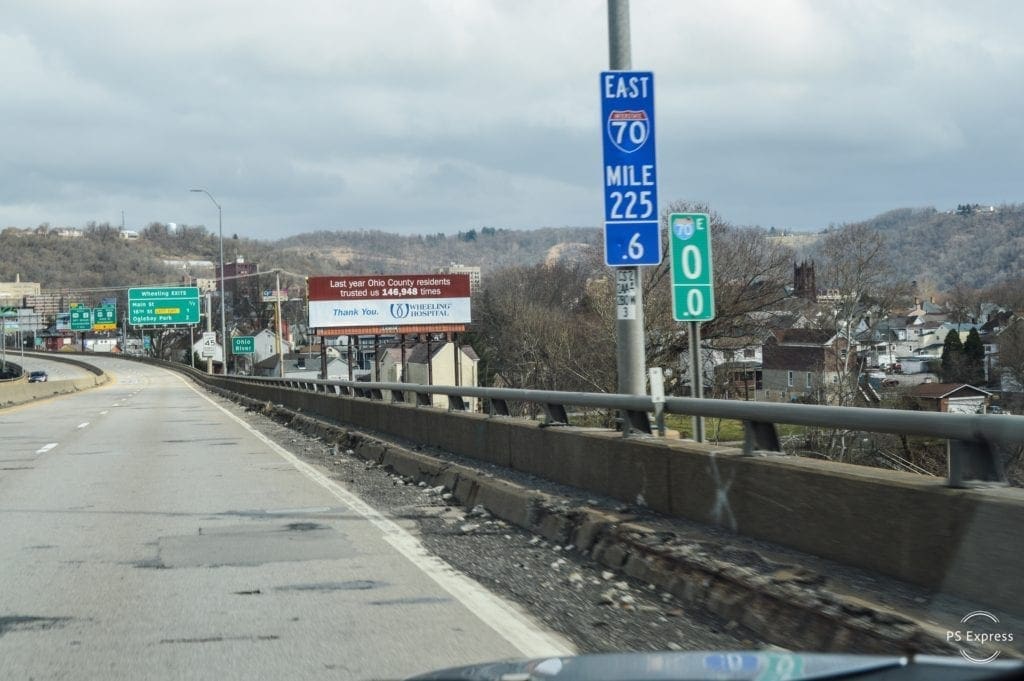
(802, 353)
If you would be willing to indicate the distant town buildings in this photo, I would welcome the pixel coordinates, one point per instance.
(13, 292)
(804, 284)
(473, 272)
(238, 282)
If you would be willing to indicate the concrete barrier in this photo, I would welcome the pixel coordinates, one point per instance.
(21, 391)
(964, 542)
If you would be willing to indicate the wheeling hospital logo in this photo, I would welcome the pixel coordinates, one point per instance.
(416, 311)
(982, 649)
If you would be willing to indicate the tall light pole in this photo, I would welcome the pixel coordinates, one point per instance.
(223, 300)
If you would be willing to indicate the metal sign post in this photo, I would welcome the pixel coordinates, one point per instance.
(696, 378)
(657, 378)
(632, 234)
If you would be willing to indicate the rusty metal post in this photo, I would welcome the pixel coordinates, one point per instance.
(430, 364)
(376, 357)
(350, 357)
(323, 358)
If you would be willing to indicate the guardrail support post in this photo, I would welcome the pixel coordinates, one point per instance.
(398, 396)
(554, 414)
(422, 399)
(456, 403)
(760, 436)
(973, 460)
(638, 421)
(498, 407)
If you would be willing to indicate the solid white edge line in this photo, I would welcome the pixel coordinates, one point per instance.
(503, 616)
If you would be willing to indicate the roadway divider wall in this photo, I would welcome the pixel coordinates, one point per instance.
(964, 542)
(21, 391)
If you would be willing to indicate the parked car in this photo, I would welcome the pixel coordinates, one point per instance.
(38, 377)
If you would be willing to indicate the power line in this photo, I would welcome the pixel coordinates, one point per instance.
(104, 289)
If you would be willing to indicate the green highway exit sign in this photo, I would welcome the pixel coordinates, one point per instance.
(693, 291)
(104, 318)
(243, 345)
(81, 318)
(163, 305)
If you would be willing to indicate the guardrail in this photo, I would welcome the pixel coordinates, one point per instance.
(971, 438)
(12, 368)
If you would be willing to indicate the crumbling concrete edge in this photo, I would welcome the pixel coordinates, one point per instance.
(796, 611)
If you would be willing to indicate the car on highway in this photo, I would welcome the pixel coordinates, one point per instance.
(38, 377)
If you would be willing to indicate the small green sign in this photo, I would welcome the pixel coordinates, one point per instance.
(693, 292)
(81, 319)
(243, 345)
(104, 318)
(163, 306)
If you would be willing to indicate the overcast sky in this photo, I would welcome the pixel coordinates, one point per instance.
(444, 115)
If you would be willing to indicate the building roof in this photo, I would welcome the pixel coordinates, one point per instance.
(735, 342)
(937, 391)
(418, 353)
(794, 358)
(803, 336)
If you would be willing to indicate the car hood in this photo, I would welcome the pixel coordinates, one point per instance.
(720, 666)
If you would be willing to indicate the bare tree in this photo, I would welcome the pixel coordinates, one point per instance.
(963, 303)
(1011, 351)
(858, 271)
(544, 327)
(750, 275)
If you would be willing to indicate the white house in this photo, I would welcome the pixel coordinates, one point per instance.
(265, 342)
(441, 368)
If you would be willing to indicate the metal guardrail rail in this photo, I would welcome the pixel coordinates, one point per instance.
(971, 438)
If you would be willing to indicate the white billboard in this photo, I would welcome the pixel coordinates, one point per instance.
(336, 313)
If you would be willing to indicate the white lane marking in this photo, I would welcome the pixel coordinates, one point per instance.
(501, 615)
(104, 412)
(83, 425)
(46, 448)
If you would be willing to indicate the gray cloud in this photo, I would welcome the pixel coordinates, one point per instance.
(449, 115)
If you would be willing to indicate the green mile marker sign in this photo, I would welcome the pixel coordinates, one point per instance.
(693, 291)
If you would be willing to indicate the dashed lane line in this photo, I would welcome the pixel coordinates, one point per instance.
(47, 447)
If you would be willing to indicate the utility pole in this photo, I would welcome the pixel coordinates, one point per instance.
(280, 344)
(629, 333)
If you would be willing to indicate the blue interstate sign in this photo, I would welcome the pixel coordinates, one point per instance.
(631, 225)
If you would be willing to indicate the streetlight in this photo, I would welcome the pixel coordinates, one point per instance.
(223, 300)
